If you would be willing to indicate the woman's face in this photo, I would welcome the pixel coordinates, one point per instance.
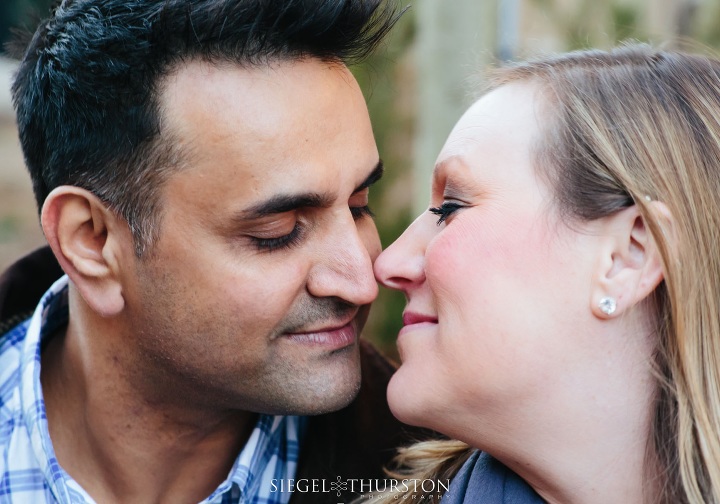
(498, 289)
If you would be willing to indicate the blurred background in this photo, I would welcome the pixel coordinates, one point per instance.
(417, 87)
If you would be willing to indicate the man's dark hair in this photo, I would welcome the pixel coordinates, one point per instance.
(86, 93)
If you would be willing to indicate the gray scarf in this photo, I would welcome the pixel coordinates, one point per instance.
(484, 480)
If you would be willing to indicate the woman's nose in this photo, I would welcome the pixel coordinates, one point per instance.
(402, 265)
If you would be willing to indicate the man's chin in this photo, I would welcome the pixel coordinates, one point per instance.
(323, 396)
(336, 387)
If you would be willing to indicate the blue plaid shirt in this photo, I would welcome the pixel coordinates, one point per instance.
(29, 470)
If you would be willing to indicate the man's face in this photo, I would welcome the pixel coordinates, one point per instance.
(257, 289)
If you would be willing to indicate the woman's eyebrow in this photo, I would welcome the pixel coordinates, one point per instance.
(454, 166)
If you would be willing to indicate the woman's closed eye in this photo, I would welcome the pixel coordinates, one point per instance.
(445, 210)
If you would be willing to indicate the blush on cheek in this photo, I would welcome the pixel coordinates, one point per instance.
(513, 243)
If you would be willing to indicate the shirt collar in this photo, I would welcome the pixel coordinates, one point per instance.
(50, 315)
(271, 448)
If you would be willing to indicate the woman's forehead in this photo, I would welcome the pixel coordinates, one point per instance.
(495, 134)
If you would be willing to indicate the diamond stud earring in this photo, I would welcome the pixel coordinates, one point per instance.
(608, 305)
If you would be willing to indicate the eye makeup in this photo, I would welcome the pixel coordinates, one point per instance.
(445, 210)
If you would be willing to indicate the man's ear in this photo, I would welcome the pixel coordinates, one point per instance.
(88, 240)
(630, 266)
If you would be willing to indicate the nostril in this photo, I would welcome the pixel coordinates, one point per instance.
(398, 272)
(395, 282)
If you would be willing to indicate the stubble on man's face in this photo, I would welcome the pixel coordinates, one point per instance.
(260, 312)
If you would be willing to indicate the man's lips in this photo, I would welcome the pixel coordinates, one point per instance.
(333, 337)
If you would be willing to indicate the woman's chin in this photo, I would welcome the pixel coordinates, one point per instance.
(406, 398)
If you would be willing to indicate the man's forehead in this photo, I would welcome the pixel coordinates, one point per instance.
(272, 104)
(270, 132)
(189, 81)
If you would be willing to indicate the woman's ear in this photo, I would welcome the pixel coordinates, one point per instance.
(630, 266)
(87, 239)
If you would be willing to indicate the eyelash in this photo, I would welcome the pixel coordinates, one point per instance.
(288, 241)
(360, 212)
(445, 210)
(293, 238)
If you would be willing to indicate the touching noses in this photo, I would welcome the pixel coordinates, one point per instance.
(402, 265)
(345, 270)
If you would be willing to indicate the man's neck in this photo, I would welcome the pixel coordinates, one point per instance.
(120, 447)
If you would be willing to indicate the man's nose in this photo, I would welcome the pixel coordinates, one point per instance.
(343, 268)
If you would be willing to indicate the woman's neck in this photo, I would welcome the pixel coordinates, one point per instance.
(587, 438)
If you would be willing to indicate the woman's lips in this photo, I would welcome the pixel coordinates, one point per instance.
(412, 320)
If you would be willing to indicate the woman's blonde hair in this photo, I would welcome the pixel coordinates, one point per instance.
(635, 124)
(628, 127)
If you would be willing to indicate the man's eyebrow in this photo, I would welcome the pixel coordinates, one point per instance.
(374, 176)
(285, 203)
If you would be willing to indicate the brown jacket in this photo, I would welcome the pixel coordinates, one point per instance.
(353, 443)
